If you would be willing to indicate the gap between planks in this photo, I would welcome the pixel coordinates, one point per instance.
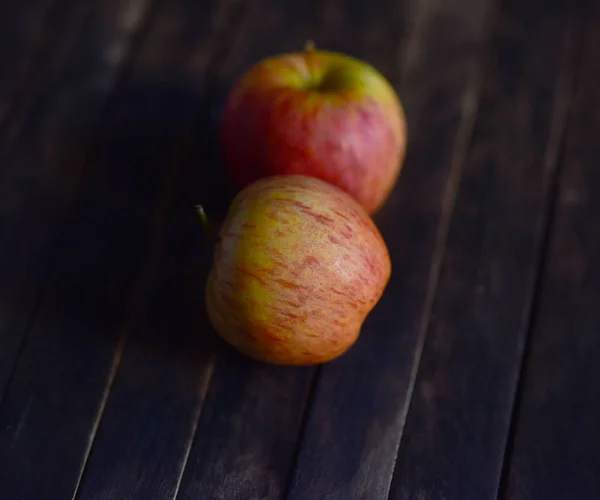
(308, 401)
(135, 27)
(553, 163)
(223, 21)
(464, 134)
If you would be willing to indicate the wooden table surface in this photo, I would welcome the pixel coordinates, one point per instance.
(475, 378)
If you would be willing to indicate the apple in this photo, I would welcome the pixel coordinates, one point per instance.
(298, 265)
(320, 114)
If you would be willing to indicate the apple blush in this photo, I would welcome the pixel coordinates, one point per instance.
(298, 266)
(320, 114)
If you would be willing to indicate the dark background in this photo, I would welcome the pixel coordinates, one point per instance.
(475, 378)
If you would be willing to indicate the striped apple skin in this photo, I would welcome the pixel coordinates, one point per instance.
(319, 114)
(298, 267)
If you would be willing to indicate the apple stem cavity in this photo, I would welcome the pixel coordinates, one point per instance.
(208, 229)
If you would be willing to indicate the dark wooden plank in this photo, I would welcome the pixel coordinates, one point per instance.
(143, 439)
(246, 438)
(354, 426)
(556, 444)
(52, 404)
(40, 171)
(27, 31)
(456, 430)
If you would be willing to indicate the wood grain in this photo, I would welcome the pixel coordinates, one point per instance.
(556, 444)
(28, 31)
(52, 405)
(456, 430)
(113, 384)
(42, 167)
(167, 359)
(355, 422)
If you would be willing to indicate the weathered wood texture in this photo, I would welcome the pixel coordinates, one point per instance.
(28, 30)
(456, 430)
(41, 168)
(360, 400)
(48, 416)
(556, 445)
(113, 384)
(167, 360)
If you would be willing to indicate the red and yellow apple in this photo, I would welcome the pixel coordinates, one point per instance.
(320, 114)
(298, 266)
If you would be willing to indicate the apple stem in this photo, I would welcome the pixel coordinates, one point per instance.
(309, 46)
(208, 229)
